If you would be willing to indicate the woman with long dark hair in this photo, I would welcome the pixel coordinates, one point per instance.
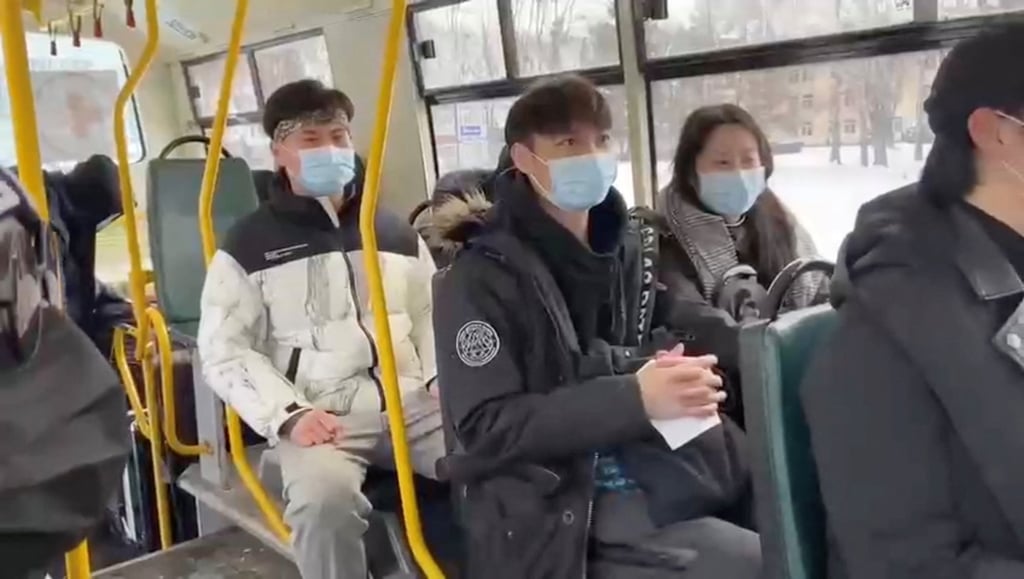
(719, 210)
(718, 213)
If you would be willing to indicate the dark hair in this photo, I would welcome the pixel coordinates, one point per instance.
(302, 97)
(980, 72)
(774, 238)
(553, 106)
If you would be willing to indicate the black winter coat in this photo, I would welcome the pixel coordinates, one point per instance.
(915, 402)
(527, 407)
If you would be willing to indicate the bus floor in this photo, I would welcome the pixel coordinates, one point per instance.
(229, 554)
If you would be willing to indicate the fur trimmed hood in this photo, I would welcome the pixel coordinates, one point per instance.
(448, 225)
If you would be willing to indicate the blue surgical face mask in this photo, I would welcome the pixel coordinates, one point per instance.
(731, 193)
(324, 171)
(582, 182)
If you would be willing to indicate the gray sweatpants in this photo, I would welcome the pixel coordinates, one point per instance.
(724, 550)
(325, 506)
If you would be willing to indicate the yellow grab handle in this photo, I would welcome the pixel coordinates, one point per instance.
(165, 351)
(137, 276)
(23, 108)
(128, 380)
(209, 239)
(367, 229)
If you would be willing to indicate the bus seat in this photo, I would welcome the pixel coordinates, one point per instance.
(176, 248)
(773, 358)
(263, 179)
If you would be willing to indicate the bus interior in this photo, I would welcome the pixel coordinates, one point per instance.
(174, 91)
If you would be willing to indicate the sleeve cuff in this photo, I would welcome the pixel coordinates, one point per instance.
(282, 420)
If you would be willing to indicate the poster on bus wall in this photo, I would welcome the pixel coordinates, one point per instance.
(75, 112)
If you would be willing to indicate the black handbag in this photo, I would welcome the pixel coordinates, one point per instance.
(63, 446)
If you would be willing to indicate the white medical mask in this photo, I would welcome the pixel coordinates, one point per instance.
(579, 183)
(325, 171)
(731, 193)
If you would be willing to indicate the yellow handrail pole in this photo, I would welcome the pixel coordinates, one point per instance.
(389, 372)
(128, 379)
(220, 122)
(23, 108)
(136, 277)
(165, 352)
(209, 239)
(156, 450)
(30, 164)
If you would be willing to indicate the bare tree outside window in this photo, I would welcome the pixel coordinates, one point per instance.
(467, 42)
(843, 131)
(205, 79)
(281, 64)
(561, 35)
(701, 25)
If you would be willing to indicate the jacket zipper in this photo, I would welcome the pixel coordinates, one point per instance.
(359, 322)
(593, 464)
(590, 521)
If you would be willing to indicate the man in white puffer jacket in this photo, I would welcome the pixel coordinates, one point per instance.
(286, 336)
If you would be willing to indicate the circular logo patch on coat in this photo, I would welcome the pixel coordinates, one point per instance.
(477, 344)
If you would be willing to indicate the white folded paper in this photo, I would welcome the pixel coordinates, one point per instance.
(682, 430)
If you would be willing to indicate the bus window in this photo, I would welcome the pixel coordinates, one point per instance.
(842, 132)
(275, 63)
(287, 62)
(73, 95)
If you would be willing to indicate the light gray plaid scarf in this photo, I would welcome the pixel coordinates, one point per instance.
(711, 247)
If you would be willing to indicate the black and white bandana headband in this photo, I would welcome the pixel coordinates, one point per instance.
(284, 129)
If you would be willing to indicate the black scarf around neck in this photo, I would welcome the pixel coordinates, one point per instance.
(585, 274)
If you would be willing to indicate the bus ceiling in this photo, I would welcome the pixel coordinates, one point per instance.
(189, 28)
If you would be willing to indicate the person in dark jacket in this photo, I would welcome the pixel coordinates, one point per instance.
(548, 417)
(83, 202)
(62, 410)
(716, 214)
(915, 401)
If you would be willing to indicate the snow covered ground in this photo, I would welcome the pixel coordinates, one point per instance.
(824, 197)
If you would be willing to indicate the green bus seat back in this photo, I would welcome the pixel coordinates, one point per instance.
(174, 239)
(791, 519)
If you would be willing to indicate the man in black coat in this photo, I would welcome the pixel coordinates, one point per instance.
(915, 403)
(547, 403)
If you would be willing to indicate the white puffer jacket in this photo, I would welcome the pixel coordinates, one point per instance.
(286, 320)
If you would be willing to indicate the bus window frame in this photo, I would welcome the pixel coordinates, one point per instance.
(926, 31)
(249, 54)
